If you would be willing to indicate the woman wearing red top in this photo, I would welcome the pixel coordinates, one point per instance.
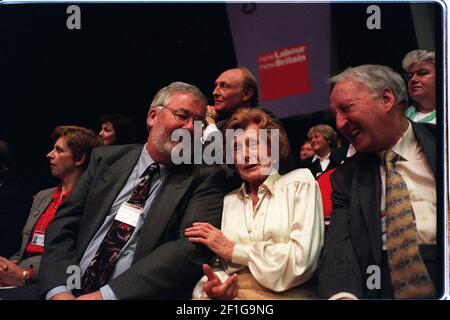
(68, 160)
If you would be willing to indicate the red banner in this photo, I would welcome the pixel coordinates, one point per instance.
(284, 73)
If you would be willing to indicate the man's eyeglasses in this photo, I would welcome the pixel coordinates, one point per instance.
(184, 117)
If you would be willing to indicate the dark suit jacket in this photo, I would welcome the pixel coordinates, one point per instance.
(354, 239)
(40, 204)
(336, 158)
(165, 263)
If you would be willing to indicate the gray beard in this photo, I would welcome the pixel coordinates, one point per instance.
(161, 140)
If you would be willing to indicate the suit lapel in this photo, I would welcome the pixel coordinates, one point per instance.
(367, 188)
(428, 144)
(162, 209)
(36, 212)
(40, 207)
(111, 181)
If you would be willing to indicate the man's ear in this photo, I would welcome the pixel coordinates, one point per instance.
(248, 93)
(151, 117)
(79, 162)
(388, 99)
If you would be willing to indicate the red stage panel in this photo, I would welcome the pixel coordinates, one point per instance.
(284, 72)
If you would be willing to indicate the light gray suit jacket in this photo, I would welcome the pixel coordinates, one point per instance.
(40, 204)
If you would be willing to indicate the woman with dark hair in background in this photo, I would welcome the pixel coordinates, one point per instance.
(117, 129)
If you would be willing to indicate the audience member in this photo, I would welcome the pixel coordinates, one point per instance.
(384, 198)
(68, 160)
(419, 66)
(233, 89)
(306, 151)
(305, 155)
(117, 129)
(123, 223)
(272, 226)
(322, 139)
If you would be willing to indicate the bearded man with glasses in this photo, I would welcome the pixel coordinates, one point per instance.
(123, 224)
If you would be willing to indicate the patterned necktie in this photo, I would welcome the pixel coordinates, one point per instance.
(102, 265)
(409, 275)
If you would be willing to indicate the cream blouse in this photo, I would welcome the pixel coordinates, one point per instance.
(281, 239)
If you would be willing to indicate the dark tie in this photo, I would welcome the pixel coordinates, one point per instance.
(409, 275)
(317, 168)
(102, 265)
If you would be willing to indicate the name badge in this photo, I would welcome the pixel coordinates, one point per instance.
(128, 214)
(38, 238)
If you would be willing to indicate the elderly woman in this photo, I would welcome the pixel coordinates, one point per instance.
(68, 160)
(272, 226)
(115, 128)
(419, 66)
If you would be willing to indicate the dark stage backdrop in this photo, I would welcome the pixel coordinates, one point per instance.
(118, 60)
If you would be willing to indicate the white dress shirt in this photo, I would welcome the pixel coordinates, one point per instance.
(324, 161)
(421, 185)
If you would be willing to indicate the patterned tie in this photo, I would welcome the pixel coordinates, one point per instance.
(102, 265)
(409, 276)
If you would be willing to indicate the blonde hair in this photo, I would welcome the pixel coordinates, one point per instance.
(325, 131)
(417, 56)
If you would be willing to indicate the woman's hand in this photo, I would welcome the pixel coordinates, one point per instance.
(213, 238)
(11, 274)
(215, 289)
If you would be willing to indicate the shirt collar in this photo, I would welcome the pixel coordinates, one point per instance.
(406, 146)
(267, 186)
(324, 158)
(145, 160)
(351, 151)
